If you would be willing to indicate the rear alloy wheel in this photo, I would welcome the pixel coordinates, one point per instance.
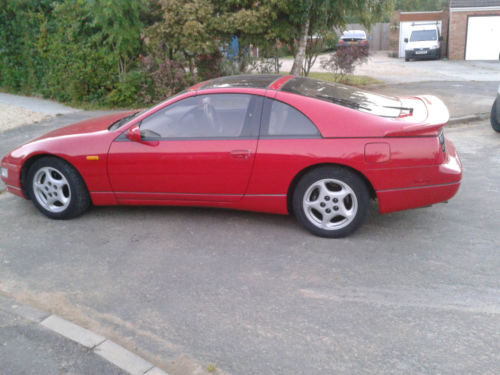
(57, 189)
(495, 124)
(331, 201)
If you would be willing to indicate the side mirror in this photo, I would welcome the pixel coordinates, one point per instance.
(406, 40)
(134, 134)
(441, 38)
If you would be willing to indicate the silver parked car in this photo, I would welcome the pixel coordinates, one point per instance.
(495, 113)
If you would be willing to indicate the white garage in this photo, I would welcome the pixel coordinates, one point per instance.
(483, 38)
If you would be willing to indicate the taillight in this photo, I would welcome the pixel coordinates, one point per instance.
(442, 143)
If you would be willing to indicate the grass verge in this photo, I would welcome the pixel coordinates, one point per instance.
(349, 79)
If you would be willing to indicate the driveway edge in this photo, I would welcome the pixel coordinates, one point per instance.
(99, 345)
(468, 118)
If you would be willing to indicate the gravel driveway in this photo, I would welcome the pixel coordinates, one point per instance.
(16, 110)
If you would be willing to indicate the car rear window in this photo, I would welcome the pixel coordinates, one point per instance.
(353, 35)
(347, 96)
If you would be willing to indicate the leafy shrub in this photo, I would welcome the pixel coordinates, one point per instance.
(344, 60)
(209, 66)
(161, 78)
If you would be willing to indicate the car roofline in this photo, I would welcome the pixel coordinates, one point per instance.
(274, 85)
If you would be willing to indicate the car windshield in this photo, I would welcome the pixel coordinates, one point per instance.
(117, 124)
(423, 35)
(124, 120)
(353, 35)
(347, 96)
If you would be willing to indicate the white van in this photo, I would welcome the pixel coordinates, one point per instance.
(424, 42)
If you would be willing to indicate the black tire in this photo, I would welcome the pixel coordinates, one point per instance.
(63, 198)
(495, 124)
(355, 203)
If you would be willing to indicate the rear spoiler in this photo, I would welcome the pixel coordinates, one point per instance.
(437, 117)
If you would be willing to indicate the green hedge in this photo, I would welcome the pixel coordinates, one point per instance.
(76, 51)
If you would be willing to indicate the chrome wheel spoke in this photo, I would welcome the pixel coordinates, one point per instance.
(343, 211)
(313, 205)
(327, 218)
(323, 190)
(340, 195)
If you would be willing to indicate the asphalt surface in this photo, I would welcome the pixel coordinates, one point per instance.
(410, 292)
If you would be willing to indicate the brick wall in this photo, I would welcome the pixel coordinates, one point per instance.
(458, 31)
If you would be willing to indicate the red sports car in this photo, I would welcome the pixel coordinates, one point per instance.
(268, 143)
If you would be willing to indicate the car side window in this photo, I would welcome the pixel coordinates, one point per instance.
(282, 120)
(201, 116)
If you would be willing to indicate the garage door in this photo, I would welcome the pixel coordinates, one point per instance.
(483, 38)
(405, 29)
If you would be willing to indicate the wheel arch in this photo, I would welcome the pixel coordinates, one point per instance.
(31, 160)
(298, 176)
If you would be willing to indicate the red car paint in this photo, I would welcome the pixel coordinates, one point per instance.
(400, 158)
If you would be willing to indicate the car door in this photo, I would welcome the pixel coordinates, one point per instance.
(200, 148)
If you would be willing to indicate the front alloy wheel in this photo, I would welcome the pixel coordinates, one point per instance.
(51, 189)
(331, 201)
(57, 189)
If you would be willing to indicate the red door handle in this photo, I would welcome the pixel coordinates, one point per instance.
(240, 154)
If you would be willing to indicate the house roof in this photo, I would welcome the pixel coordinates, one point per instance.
(474, 3)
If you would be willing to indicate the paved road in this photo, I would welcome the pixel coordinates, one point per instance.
(411, 292)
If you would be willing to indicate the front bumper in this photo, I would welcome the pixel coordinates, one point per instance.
(13, 179)
(423, 53)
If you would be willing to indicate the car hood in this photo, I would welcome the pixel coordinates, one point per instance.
(88, 126)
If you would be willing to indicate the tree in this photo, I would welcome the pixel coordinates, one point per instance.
(119, 27)
(329, 14)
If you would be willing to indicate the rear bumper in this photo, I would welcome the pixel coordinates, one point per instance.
(450, 171)
(404, 199)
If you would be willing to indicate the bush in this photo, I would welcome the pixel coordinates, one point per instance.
(210, 66)
(161, 78)
(345, 60)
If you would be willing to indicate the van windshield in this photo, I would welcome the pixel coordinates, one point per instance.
(423, 35)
